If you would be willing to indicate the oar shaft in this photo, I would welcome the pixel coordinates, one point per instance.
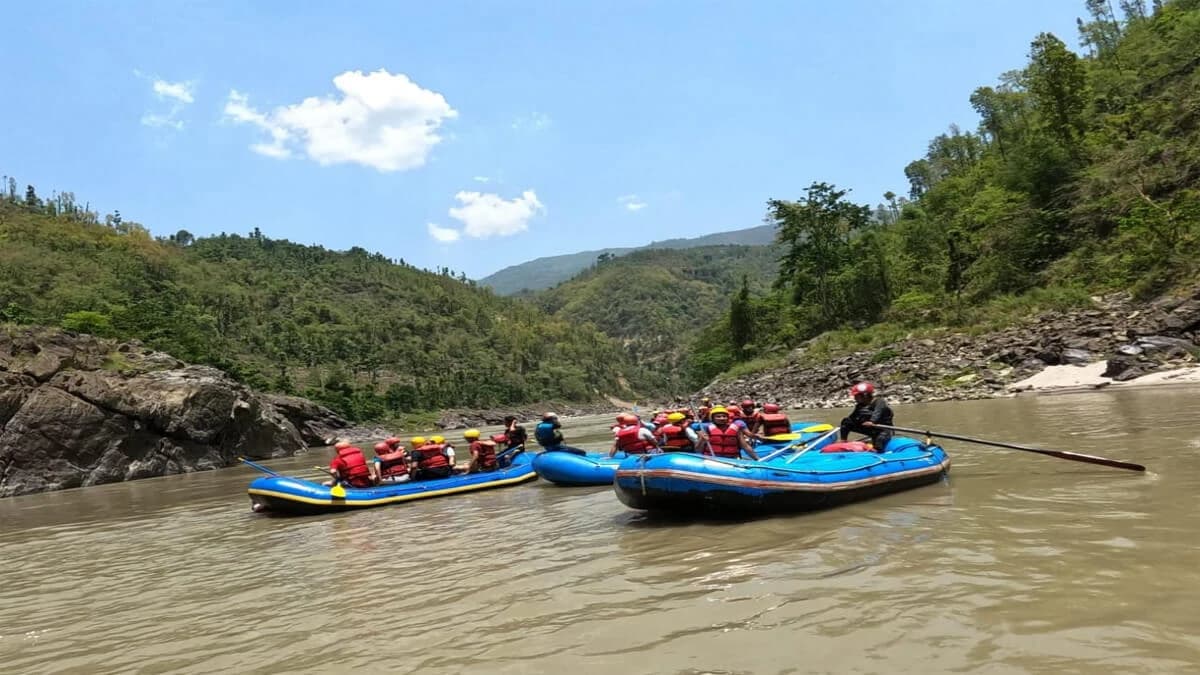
(1062, 454)
(260, 467)
(811, 445)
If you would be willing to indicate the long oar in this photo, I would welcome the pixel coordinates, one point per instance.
(1061, 454)
(260, 467)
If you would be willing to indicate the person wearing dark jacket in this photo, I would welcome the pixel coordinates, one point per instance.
(548, 434)
(869, 410)
(515, 432)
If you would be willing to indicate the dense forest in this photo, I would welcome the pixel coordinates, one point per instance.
(656, 300)
(366, 335)
(1083, 175)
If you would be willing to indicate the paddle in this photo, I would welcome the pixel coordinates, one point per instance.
(260, 467)
(796, 435)
(1061, 454)
(336, 491)
(813, 444)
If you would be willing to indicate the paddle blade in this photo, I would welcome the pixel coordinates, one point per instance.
(817, 428)
(337, 491)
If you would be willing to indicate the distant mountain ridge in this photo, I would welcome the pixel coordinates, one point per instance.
(542, 273)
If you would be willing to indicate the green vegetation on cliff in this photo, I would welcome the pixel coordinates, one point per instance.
(656, 300)
(1084, 173)
(351, 329)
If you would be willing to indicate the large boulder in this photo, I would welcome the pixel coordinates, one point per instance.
(77, 411)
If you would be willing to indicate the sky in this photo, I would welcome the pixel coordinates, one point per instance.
(477, 135)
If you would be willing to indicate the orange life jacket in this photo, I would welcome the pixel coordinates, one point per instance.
(430, 456)
(848, 446)
(724, 442)
(393, 464)
(735, 413)
(775, 423)
(500, 439)
(486, 452)
(675, 437)
(353, 467)
(629, 440)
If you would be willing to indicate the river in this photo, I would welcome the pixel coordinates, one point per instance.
(1018, 563)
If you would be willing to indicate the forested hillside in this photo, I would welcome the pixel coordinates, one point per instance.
(1083, 175)
(543, 273)
(352, 329)
(656, 300)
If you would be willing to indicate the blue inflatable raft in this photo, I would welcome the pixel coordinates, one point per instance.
(813, 480)
(597, 468)
(283, 494)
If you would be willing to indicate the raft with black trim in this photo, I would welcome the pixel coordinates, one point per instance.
(597, 468)
(830, 476)
(284, 494)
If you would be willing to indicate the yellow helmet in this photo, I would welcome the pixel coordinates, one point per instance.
(471, 434)
(437, 439)
(718, 410)
(417, 441)
(675, 417)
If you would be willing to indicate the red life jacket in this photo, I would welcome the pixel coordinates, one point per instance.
(629, 440)
(848, 446)
(500, 439)
(393, 464)
(735, 413)
(353, 467)
(724, 442)
(430, 456)
(675, 437)
(775, 423)
(753, 419)
(486, 452)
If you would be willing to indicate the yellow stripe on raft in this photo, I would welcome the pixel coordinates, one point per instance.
(394, 498)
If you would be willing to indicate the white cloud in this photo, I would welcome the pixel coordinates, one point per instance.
(481, 179)
(534, 121)
(446, 235)
(177, 95)
(631, 202)
(488, 215)
(384, 121)
(179, 91)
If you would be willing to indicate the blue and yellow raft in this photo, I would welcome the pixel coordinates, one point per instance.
(813, 480)
(284, 494)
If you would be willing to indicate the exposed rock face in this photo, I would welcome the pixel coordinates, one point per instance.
(1135, 340)
(76, 410)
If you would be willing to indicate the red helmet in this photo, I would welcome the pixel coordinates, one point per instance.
(862, 389)
(771, 408)
(747, 403)
(382, 447)
(627, 418)
(341, 445)
(392, 441)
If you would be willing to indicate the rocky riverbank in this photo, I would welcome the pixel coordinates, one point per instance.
(1131, 340)
(76, 410)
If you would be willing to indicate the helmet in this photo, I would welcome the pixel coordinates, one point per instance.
(626, 418)
(862, 388)
(718, 410)
(747, 403)
(437, 439)
(675, 417)
(392, 441)
(418, 441)
(341, 444)
(381, 448)
(706, 400)
(550, 416)
(471, 434)
(771, 408)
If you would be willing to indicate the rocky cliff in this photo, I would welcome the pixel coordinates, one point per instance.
(1135, 339)
(76, 410)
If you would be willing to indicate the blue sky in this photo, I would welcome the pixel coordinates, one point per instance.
(521, 128)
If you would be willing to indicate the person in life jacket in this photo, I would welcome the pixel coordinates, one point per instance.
(734, 410)
(869, 410)
(772, 422)
(705, 407)
(632, 437)
(428, 460)
(722, 438)
(448, 448)
(677, 435)
(349, 466)
(483, 453)
(548, 432)
(515, 432)
(391, 461)
(751, 415)
(659, 419)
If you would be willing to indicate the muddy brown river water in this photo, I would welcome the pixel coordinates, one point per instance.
(1018, 563)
